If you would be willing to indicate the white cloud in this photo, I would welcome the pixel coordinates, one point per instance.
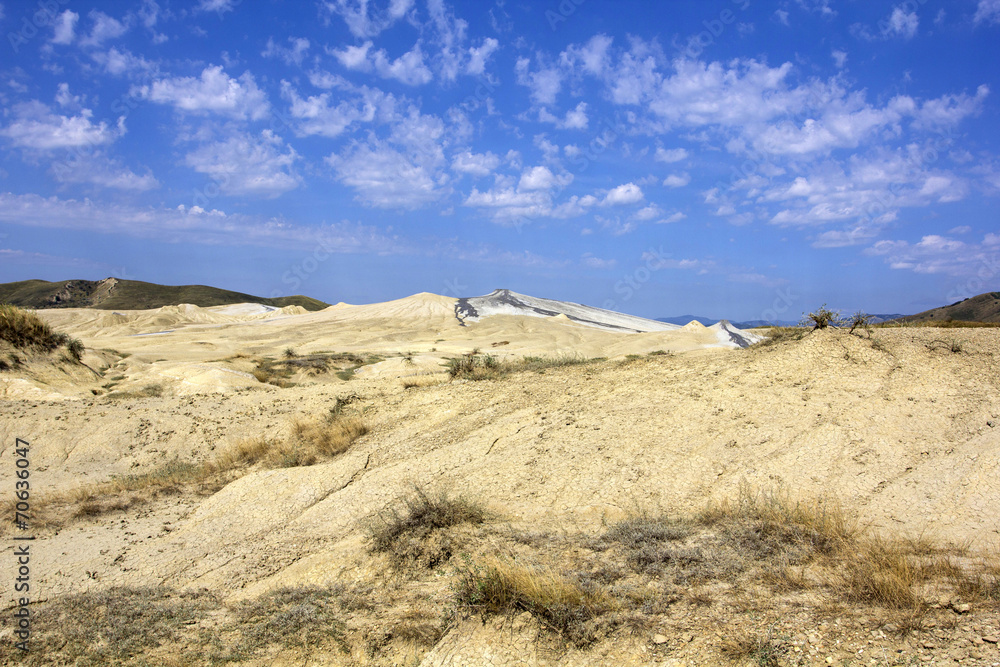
(479, 56)
(318, 116)
(213, 92)
(538, 178)
(97, 169)
(409, 68)
(64, 27)
(362, 19)
(65, 99)
(592, 57)
(935, 254)
(37, 128)
(189, 225)
(673, 217)
(104, 28)
(121, 62)
(961, 229)
(592, 262)
(219, 6)
(245, 164)
(988, 11)
(404, 171)
(292, 54)
(648, 212)
(354, 57)
(902, 23)
(781, 16)
(575, 119)
(476, 164)
(624, 195)
(671, 155)
(839, 58)
(544, 84)
(949, 110)
(677, 180)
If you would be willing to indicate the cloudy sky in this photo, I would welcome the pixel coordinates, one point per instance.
(726, 158)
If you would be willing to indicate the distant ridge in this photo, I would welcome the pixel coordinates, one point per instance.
(982, 308)
(115, 294)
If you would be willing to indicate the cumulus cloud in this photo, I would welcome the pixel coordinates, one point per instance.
(246, 164)
(671, 155)
(936, 254)
(902, 23)
(64, 27)
(104, 28)
(624, 195)
(544, 83)
(37, 128)
(213, 92)
(475, 164)
(318, 115)
(677, 180)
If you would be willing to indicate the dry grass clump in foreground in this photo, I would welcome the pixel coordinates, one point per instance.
(417, 534)
(25, 330)
(744, 578)
(501, 586)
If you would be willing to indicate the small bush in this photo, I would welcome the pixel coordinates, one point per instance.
(290, 353)
(411, 535)
(821, 318)
(881, 573)
(861, 320)
(777, 335)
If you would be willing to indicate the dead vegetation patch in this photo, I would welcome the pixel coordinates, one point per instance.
(476, 366)
(308, 440)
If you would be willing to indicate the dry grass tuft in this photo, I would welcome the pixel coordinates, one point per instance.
(498, 586)
(475, 366)
(25, 330)
(415, 534)
(761, 650)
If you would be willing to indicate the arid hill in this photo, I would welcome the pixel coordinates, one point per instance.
(383, 485)
(116, 294)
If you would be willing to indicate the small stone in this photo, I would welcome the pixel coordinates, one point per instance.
(688, 638)
(659, 639)
(829, 659)
(990, 639)
(889, 627)
(963, 608)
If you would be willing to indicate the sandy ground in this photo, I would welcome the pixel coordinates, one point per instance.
(904, 432)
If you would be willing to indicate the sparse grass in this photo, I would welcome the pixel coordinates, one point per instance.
(278, 372)
(762, 650)
(308, 441)
(421, 381)
(304, 618)
(777, 335)
(881, 573)
(25, 330)
(413, 535)
(474, 366)
(116, 624)
(499, 586)
(954, 346)
(937, 324)
(147, 391)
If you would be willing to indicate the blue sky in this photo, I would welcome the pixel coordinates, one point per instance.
(726, 158)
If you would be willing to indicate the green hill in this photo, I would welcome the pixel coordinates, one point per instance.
(982, 308)
(115, 294)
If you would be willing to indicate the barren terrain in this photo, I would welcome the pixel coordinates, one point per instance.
(628, 475)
